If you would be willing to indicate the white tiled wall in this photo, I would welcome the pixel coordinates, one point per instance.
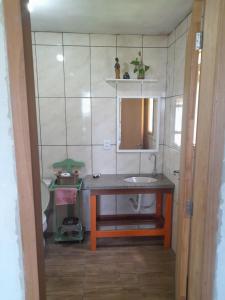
(174, 93)
(77, 108)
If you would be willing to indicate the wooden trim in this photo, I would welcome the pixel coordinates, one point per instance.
(159, 201)
(209, 154)
(164, 231)
(21, 78)
(93, 221)
(133, 191)
(187, 154)
(168, 220)
(131, 232)
(130, 219)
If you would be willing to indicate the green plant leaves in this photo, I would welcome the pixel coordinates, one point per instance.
(135, 62)
(139, 67)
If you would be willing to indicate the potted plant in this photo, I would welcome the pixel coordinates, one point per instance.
(139, 67)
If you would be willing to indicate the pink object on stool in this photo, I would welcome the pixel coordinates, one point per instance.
(64, 196)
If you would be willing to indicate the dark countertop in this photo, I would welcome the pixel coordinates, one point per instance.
(113, 181)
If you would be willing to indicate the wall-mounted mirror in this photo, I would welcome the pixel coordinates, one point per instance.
(138, 124)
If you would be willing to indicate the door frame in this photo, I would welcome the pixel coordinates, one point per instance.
(209, 155)
(197, 235)
(22, 93)
(187, 152)
(27, 161)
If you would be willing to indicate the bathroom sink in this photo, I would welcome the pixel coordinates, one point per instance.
(140, 179)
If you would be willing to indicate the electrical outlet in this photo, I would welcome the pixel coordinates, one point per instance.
(107, 145)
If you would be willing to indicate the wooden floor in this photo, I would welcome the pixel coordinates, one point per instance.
(120, 269)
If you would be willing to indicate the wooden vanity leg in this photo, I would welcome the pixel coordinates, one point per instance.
(168, 220)
(159, 203)
(93, 221)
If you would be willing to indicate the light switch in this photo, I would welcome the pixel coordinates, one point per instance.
(107, 145)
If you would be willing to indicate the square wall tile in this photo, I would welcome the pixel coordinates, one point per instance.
(75, 39)
(50, 155)
(124, 205)
(170, 70)
(180, 51)
(181, 28)
(162, 120)
(173, 120)
(171, 163)
(104, 161)
(166, 161)
(38, 121)
(102, 67)
(77, 71)
(48, 38)
(50, 71)
(156, 58)
(147, 162)
(103, 120)
(35, 70)
(32, 38)
(78, 118)
(131, 89)
(107, 205)
(81, 153)
(148, 204)
(103, 40)
(168, 122)
(129, 40)
(52, 118)
(128, 163)
(126, 55)
(40, 160)
(85, 194)
(155, 41)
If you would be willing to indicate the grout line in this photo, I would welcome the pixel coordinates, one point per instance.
(87, 46)
(39, 111)
(65, 104)
(176, 39)
(139, 163)
(116, 121)
(91, 103)
(76, 145)
(76, 97)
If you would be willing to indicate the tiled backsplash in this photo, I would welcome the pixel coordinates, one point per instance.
(174, 99)
(76, 108)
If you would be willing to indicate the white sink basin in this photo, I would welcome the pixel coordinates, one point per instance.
(140, 179)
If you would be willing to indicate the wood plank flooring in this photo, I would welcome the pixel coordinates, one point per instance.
(120, 269)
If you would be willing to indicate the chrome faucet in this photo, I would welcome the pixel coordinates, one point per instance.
(154, 171)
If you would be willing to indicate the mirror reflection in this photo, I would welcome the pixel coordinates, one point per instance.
(138, 127)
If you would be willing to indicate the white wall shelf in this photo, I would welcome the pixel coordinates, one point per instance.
(112, 80)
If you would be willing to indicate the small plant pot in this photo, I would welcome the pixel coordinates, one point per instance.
(141, 76)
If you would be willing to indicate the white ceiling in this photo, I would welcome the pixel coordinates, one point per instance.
(109, 16)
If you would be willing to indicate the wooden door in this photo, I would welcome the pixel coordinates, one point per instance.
(21, 77)
(209, 154)
(201, 172)
(132, 114)
(187, 153)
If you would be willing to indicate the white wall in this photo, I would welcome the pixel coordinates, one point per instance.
(174, 97)
(219, 286)
(11, 274)
(77, 108)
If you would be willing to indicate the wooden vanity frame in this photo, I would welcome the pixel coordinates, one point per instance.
(165, 230)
